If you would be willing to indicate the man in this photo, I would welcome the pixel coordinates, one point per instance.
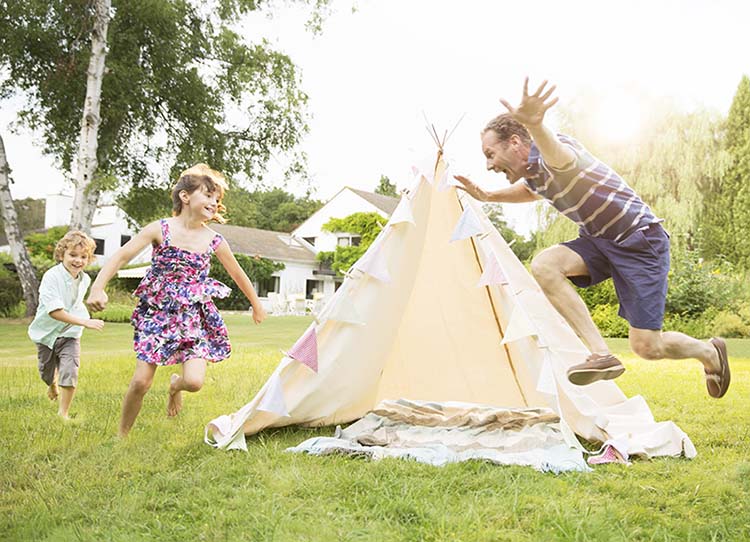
(620, 238)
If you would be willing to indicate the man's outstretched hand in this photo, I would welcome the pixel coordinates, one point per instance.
(532, 108)
(473, 190)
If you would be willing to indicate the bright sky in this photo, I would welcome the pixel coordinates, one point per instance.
(374, 74)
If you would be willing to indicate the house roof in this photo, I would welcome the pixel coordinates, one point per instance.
(387, 204)
(277, 246)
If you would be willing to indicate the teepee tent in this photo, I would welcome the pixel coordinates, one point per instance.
(440, 309)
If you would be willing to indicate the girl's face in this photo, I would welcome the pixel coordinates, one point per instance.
(74, 260)
(201, 202)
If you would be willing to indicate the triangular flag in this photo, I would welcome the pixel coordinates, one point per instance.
(273, 397)
(403, 213)
(305, 350)
(448, 180)
(467, 225)
(342, 310)
(519, 326)
(373, 263)
(493, 273)
(546, 382)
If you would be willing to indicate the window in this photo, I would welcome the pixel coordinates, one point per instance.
(337, 284)
(124, 239)
(313, 287)
(310, 240)
(355, 241)
(265, 286)
(99, 250)
(348, 240)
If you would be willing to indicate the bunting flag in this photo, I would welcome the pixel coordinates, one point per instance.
(342, 310)
(373, 263)
(519, 326)
(493, 272)
(273, 397)
(546, 382)
(467, 225)
(403, 213)
(448, 180)
(305, 350)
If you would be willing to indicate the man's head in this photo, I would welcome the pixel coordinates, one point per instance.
(506, 144)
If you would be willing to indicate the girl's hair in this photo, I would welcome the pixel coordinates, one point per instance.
(192, 179)
(506, 126)
(74, 239)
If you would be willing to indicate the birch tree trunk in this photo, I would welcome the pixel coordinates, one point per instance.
(25, 270)
(86, 195)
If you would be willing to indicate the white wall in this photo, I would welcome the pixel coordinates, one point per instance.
(341, 205)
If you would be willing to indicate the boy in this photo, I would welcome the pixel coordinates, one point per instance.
(61, 317)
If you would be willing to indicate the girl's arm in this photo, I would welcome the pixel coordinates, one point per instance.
(151, 234)
(227, 259)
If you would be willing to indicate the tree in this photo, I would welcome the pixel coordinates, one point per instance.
(86, 195)
(523, 248)
(727, 205)
(367, 225)
(386, 187)
(26, 274)
(179, 86)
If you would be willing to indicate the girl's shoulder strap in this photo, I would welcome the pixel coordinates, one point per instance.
(165, 231)
(216, 241)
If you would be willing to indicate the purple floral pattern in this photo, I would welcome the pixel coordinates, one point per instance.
(176, 319)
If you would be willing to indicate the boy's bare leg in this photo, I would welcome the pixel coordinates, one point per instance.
(131, 404)
(551, 268)
(66, 397)
(193, 375)
(52, 391)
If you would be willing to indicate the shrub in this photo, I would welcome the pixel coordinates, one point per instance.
(610, 324)
(257, 269)
(10, 294)
(729, 324)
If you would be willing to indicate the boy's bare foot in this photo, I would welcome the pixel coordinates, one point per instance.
(65, 417)
(52, 391)
(175, 397)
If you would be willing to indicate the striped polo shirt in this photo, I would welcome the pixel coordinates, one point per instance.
(590, 193)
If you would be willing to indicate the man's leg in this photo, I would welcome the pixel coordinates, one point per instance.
(551, 268)
(653, 345)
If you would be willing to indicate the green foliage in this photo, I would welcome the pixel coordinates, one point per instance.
(257, 269)
(610, 324)
(43, 244)
(386, 187)
(366, 225)
(30, 214)
(275, 210)
(11, 294)
(180, 86)
(727, 224)
(522, 247)
(696, 285)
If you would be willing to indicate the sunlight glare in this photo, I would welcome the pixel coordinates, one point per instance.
(619, 118)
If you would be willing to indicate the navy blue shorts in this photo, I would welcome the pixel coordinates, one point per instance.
(638, 265)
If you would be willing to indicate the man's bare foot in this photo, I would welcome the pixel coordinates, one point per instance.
(52, 391)
(175, 397)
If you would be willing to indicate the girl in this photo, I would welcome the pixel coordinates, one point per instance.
(175, 320)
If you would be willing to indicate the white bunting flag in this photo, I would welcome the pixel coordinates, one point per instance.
(343, 310)
(273, 397)
(373, 262)
(467, 225)
(519, 326)
(403, 213)
(546, 382)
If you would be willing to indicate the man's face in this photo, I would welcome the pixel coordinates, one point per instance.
(509, 157)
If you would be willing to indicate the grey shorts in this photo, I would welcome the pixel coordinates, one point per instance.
(65, 356)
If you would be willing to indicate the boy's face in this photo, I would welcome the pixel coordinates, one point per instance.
(74, 260)
(509, 157)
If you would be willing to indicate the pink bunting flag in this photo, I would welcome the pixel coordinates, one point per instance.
(493, 273)
(305, 350)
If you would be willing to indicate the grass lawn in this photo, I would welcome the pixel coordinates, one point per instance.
(76, 481)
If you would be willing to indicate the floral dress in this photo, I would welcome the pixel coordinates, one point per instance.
(175, 319)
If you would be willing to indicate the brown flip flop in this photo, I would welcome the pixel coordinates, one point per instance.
(718, 383)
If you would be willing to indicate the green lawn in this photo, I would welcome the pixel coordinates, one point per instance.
(76, 481)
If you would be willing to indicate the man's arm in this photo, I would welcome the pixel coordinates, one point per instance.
(515, 193)
(530, 113)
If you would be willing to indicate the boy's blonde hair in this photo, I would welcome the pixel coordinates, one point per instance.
(76, 238)
(192, 179)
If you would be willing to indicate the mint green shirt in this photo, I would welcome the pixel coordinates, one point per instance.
(59, 290)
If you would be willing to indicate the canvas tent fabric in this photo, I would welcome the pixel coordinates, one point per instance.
(420, 326)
